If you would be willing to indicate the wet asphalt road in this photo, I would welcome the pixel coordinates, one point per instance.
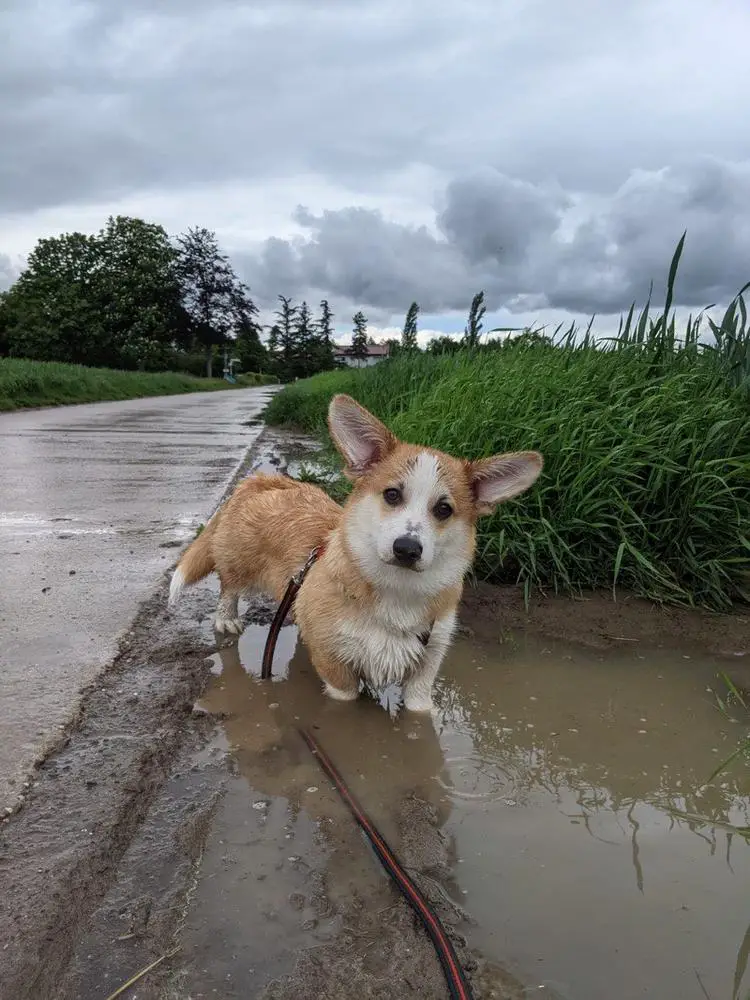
(94, 502)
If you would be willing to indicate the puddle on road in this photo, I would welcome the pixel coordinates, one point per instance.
(585, 842)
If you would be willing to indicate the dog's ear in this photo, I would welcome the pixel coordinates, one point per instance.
(502, 477)
(361, 438)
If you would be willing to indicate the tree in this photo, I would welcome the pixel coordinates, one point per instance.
(4, 323)
(51, 312)
(394, 347)
(409, 333)
(324, 338)
(444, 345)
(285, 316)
(248, 346)
(303, 361)
(359, 338)
(274, 337)
(213, 295)
(529, 338)
(111, 299)
(136, 283)
(473, 328)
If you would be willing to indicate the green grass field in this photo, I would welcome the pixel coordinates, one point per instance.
(646, 483)
(45, 383)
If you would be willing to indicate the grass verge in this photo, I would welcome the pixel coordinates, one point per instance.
(45, 383)
(646, 443)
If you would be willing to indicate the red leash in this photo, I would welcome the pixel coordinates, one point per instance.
(455, 977)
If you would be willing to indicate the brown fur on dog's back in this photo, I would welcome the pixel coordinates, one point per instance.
(262, 535)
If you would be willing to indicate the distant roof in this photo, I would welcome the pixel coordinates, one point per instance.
(373, 350)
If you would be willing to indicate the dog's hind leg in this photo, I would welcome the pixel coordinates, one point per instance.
(227, 613)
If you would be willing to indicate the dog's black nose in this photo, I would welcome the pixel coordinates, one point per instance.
(407, 549)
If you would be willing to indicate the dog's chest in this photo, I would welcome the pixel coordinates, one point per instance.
(383, 645)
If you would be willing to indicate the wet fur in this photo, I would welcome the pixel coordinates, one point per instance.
(359, 614)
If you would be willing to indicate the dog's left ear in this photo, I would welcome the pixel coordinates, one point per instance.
(502, 477)
(360, 438)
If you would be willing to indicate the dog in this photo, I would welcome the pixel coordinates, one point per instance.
(380, 603)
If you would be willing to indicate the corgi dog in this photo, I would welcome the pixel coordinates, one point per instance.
(380, 602)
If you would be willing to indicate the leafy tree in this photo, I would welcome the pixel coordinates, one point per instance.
(136, 284)
(444, 345)
(214, 297)
(529, 338)
(51, 312)
(359, 337)
(110, 299)
(409, 333)
(473, 328)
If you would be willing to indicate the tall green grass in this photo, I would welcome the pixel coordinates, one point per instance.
(646, 439)
(45, 383)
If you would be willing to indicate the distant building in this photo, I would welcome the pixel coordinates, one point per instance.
(375, 353)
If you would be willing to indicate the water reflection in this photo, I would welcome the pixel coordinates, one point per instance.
(588, 844)
(541, 744)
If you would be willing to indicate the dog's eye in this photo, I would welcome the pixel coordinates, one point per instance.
(392, 496)
(442, 510)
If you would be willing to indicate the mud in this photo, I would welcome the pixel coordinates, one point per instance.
(557, 811)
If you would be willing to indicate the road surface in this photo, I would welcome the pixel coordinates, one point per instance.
(94, 502)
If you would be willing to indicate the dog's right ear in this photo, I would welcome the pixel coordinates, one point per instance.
(360, 438)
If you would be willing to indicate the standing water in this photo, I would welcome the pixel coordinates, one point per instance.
(591, 854)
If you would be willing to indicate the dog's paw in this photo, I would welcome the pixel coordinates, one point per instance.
(229, 626)
(418, 701)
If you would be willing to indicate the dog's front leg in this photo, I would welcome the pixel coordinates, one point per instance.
(418, 688)
(339, 681)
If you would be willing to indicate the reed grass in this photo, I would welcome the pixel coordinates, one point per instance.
(646, 439)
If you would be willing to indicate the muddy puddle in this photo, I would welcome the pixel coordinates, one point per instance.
(583, 853)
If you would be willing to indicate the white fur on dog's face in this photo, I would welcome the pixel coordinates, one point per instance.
(403, 491)
(372, 526)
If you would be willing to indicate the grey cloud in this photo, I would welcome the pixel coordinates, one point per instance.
(521, 244)
(357, 256)
(490, 216)
(618, 253)
(102, 98)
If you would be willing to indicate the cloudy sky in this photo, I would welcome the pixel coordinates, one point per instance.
(376, 152)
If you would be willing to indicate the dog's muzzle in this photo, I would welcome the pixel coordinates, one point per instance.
(407, 551)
